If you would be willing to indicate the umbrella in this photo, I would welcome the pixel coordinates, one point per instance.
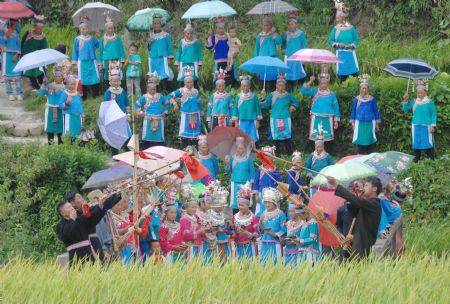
(271, 7)
(221, 140)
(164, 152)
(142, 20)
(391, 162)
(39, 59)
(314, 56)
(96, 12)
(264, 65)
(410, 68)
(14, 10)
(324, 201)
(384, 174)
(113, 124)
(209, 9)
(24, 2)
(108, 176)
(344, 173)
(160, 166)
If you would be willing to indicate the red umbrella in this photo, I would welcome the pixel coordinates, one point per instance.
(326, 202)
(221, 140)
(14, 10)
(349, 157)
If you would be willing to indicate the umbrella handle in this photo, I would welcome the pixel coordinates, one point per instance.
(407, 88)
(264, 86)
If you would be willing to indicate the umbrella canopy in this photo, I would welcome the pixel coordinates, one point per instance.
(326, 202)
(113, 124)
(221, 140)
(271, 7)
(39, 59)
(384, 174)
(24, 2)
(14, 10)
(97, 13)
(142, 20)
(209, 9)
(164, 152)
(108, 176)
(265, 64)
(344, 173)
(392, 162)
(411, 68)
(314, 56)
(151, 165)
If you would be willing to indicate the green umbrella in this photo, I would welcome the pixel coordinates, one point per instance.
(344, 173)
(142, 20)
(392, 161)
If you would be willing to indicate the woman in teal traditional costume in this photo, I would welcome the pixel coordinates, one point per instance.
(110, 50)
(206, 158)
(53, 114)
(240, 165)
(282, 104)
(344, 38)
(84, 58)
(247, 110)
(325, 114)
(293, 229)
(365, 118)
(160, 49)
(292, 41)
(424, 120)
(266, 45)
(316, 161)
(72, 106)
(220, 105)
(153, 107)
(35, 40)
(189, 54)
(308, 240)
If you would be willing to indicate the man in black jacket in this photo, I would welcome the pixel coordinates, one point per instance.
(367, 210)
(73, 229)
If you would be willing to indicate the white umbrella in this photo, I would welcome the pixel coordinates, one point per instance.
(209, 9)
(38, 59)
(272, 7)
(113, 124)
(96, 12)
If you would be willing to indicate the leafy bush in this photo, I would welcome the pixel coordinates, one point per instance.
(431, 194)
(33, 180)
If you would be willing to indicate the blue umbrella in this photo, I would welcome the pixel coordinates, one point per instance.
(108, 176)
(411, 68)
(264, 65)
(209, 9)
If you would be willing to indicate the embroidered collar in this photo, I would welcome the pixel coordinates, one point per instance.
(85, 37)
(343, 26)
(204, 157)
(204, 218)
(150, 98)
(244, 96)
(71, 93)
(364, 98)
(221, 37)
(106, 37)
(240, 158)
(191, 218)
(116, 91)
(323, 92)
(32, 34)
(268, 34)
(222, 95)
(186, 42)
(295, 33)
(421, 101)
(293, 226)
(217, 218)
(276, 94)
(243, 220)
(322, 155)
(270, 215)
(159, 35)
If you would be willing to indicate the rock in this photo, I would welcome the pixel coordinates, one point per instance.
(8, 124)
(21, 130)
(35, 129)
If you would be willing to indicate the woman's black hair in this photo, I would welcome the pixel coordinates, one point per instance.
(59, 206)
(376, 182)
(61, 48)
(70, 196)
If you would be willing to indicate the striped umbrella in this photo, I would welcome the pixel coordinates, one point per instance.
(272, 7)
(411, 68)
(14, 10)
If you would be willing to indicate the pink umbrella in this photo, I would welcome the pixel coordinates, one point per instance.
(314, 56)
(164, 152)
(349, 157)
(221, 140)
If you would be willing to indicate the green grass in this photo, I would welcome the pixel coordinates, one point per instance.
(420, 276)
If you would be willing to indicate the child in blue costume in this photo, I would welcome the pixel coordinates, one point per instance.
(209, 236)
(153, 107)
(292, 41)
(266, 45)
(111, 49)
(189, 54)
(191, 108)
(325, 113)
(133, 71)
(264, 178)
(316, 161)
(281, 104)
(220, 105)
(308, 240)
(84, 58)
(219, 202)
(365, 118)
(344, 38)
(240, 165)
(273, 226)
(206, 158)
(160, 49)
(424, 120)
(219, 43)
(11, 51)
(247, 110)
(53, 114)
(119, 95)
(72, 106)
(294, 178)
(293, 228)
